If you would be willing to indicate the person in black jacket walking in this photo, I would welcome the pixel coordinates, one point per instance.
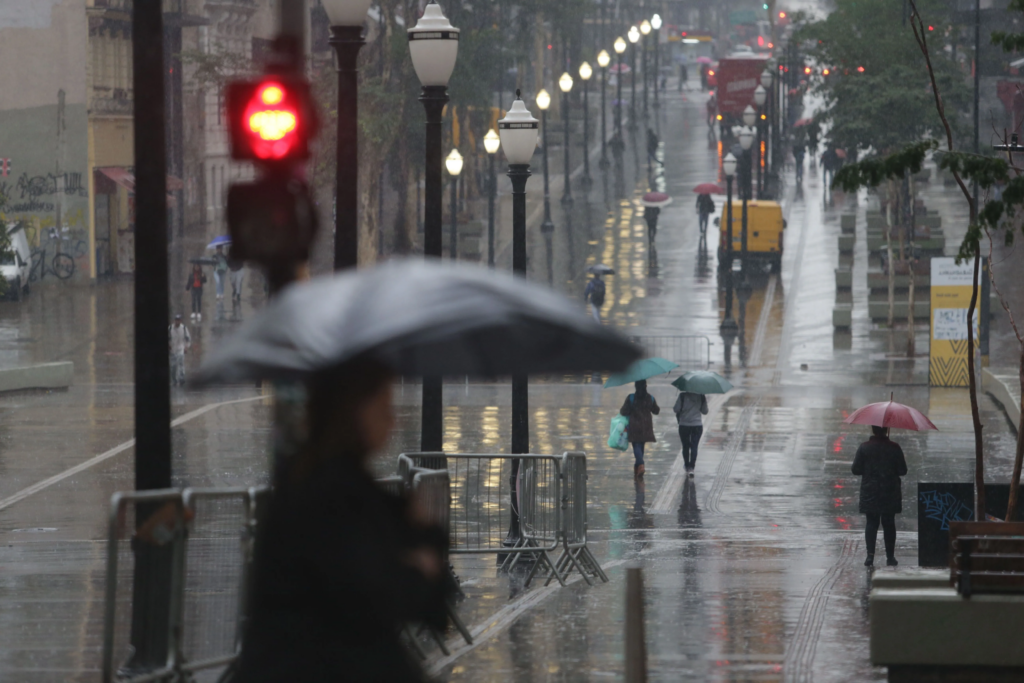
(880, 464)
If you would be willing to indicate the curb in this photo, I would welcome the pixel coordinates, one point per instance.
(1002, 385)
(41, 376)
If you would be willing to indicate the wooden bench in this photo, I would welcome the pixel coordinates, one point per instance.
(986, 557)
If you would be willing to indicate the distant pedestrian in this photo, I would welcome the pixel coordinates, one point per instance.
(829, 164)
(684, 76)
(237, 274)
(705, 207)
(594, 295)
(617, 146)
(220, 269)
(688, 409)
(704, 76)
(640, 407)
(195, 283)
(711, 109)
(798, 159)
(880, 464)
(653, 143)
(180, 341)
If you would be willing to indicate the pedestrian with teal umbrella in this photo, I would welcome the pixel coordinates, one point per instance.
(640, 406)
(691, 405)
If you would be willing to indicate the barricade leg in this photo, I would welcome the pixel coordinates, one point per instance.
(459, 624)
(544, 558)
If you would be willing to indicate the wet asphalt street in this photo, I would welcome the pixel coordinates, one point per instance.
(753, 568)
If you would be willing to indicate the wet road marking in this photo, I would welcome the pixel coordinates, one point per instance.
(762, 322)
(677, 475)
(107, 455)
(800, 653)
(500, 621)
(729, 457)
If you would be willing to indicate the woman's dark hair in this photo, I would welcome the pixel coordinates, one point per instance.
(334, 398)
(641, 388)
(880, 431)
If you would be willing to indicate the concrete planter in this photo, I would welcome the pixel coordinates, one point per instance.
(879, 310)
(844, 278)
(848, 222)
(842, 316)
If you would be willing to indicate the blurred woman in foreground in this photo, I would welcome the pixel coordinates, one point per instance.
(340, 565)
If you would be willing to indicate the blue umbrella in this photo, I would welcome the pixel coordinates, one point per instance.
(644, 368)
(222, 241)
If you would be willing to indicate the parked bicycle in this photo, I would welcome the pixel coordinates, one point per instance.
(61, 265)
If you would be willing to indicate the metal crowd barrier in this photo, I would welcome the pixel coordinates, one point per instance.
(551, 502)
(207, 536)
(574, 497)
(691, 352)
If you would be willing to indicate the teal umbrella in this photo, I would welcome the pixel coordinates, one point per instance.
(642, 369)
(702, 382)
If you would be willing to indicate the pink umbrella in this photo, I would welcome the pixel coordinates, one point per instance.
(802, 122)
(890, 414)
(705, 60)
(709, 188)
(656, 199)
(616, 68)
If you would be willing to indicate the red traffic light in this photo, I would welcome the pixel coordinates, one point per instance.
(807, 70)
(270, 119)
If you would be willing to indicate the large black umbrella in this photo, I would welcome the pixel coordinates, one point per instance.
(419, 317)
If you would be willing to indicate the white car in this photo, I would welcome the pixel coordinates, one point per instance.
(14, 265)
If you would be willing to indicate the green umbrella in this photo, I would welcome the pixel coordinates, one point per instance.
(702, 382)
(642, 369)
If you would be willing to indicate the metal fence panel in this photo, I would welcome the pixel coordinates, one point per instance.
(575, 553)
(155, 521)
(218, 567)
(691, 352)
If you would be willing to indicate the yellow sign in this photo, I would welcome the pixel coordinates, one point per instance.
(950, 299)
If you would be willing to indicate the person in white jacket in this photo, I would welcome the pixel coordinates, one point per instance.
(688, 409)
(180, 341)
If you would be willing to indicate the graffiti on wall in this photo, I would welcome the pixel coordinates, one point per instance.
(35, 194)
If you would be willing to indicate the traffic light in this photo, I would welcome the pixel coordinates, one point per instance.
(272, 221)
(271, 119)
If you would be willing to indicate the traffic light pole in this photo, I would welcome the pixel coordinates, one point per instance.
(434, 98)
(347, 41)
(152, 572)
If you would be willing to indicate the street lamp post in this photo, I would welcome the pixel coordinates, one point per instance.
(433, 46)
(454, 165)
(766, 83)
(746, 140)
(729, 167)
(543, 102)
(645, 31)
(634, 36)
(620, 47)
(656, 25)
(491, 143)
(518, 131)
(565, 85)
(603, 59)
(346, 18)
(585, 73)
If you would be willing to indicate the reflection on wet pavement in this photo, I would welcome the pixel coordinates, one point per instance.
(753, 567)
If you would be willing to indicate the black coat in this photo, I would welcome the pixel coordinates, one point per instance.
(880, 464)
(330, 588)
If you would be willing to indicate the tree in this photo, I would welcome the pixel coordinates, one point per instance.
(877, 97)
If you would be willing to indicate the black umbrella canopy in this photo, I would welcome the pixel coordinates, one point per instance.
(419, 318)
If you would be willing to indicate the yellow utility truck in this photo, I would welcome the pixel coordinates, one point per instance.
(765, 230)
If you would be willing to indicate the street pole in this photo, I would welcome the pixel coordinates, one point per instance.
(491, 195)
(745, 191)
(618, 99)
(453, 234)
(434, 99)
(152, 573)
(604, 163)
(760, 155)
(632, 89)
(567, 185)
(977, 85)
(657, 74)
(728, 324)
(643, 43)
(347, 41)
(586, 180)
(518, 132)
(547, 226)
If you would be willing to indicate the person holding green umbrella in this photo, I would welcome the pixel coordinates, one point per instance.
(691, 404)
(640, 406)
